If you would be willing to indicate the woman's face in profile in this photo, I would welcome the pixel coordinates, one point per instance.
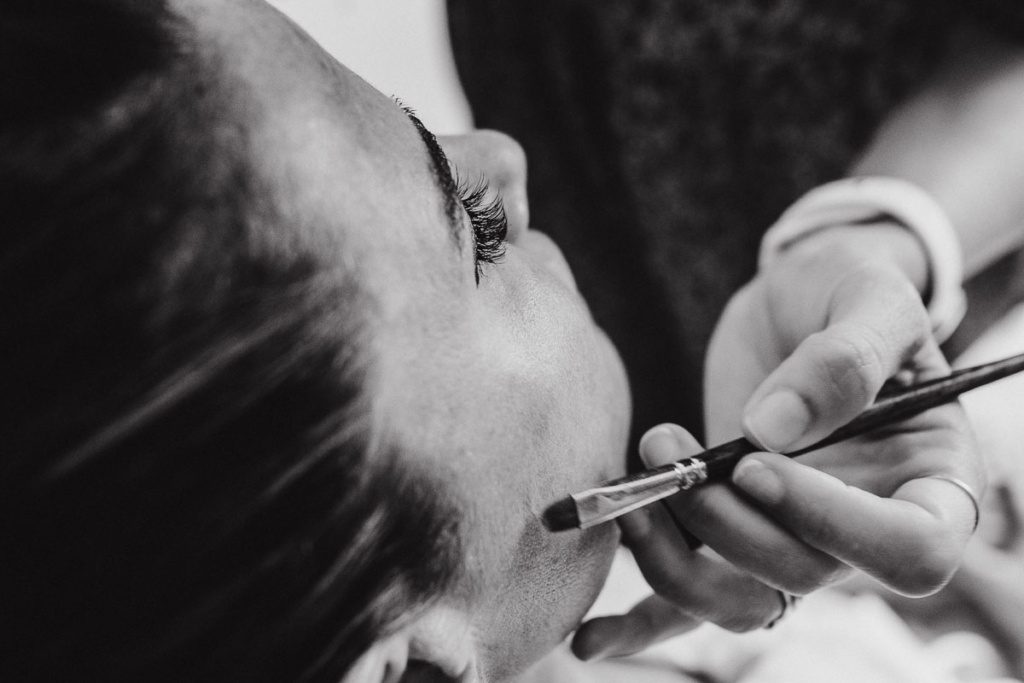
(504, 385)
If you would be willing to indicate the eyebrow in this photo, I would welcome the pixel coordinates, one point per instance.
(442, 174)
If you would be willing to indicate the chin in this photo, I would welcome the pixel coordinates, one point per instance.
(554, 603)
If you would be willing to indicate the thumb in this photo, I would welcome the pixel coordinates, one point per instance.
(828, 380)
(834, 374)
(667, 443)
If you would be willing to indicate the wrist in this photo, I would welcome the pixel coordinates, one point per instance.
(864, 202)
(884, 241)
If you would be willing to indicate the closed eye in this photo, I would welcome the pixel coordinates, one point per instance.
(488, 220)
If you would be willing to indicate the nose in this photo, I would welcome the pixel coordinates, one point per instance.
(502, 162)
(547, 253)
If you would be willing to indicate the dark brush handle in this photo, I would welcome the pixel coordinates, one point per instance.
(895, 406)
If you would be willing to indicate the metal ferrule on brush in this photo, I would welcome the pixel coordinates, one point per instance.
(604, 503)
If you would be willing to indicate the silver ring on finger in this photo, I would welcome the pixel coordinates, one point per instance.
(963, 486)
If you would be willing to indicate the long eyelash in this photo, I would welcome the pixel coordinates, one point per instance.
(490, 225)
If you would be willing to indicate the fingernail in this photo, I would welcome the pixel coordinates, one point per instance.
(658, 445)
(778, 420)
(603, 650)
(588, 645)
(594, 655)
(758, 480)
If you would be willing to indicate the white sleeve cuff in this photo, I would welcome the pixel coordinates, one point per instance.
(856, 200)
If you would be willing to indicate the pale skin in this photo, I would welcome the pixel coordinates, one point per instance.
(508, 388)
(488, 383)
(842, 311)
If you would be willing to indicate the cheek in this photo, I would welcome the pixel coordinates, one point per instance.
(552, 580)
(572, 384)
(556, 421)
(595, 405)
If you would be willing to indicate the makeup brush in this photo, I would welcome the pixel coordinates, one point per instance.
(614, 498)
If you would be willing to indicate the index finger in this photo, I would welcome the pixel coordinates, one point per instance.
(739, 531)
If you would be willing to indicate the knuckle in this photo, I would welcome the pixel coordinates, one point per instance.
(852, 361)
(911, 308)
(812, 567)
(822, 530)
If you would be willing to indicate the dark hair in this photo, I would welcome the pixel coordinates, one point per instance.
(191, 483)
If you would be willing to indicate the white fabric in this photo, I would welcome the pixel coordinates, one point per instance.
(831, 636)
(855, 200)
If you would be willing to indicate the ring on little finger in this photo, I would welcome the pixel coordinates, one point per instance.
(963, 486)
(787, 602)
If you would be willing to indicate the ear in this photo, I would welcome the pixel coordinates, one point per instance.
(384, 662)
(438, 641)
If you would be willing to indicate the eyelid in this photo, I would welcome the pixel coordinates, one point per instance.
(443, 170)
(488, 222)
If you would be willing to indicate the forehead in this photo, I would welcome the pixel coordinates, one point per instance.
(279, 77)
(341, 154)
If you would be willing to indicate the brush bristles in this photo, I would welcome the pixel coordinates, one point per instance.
(561, 516)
